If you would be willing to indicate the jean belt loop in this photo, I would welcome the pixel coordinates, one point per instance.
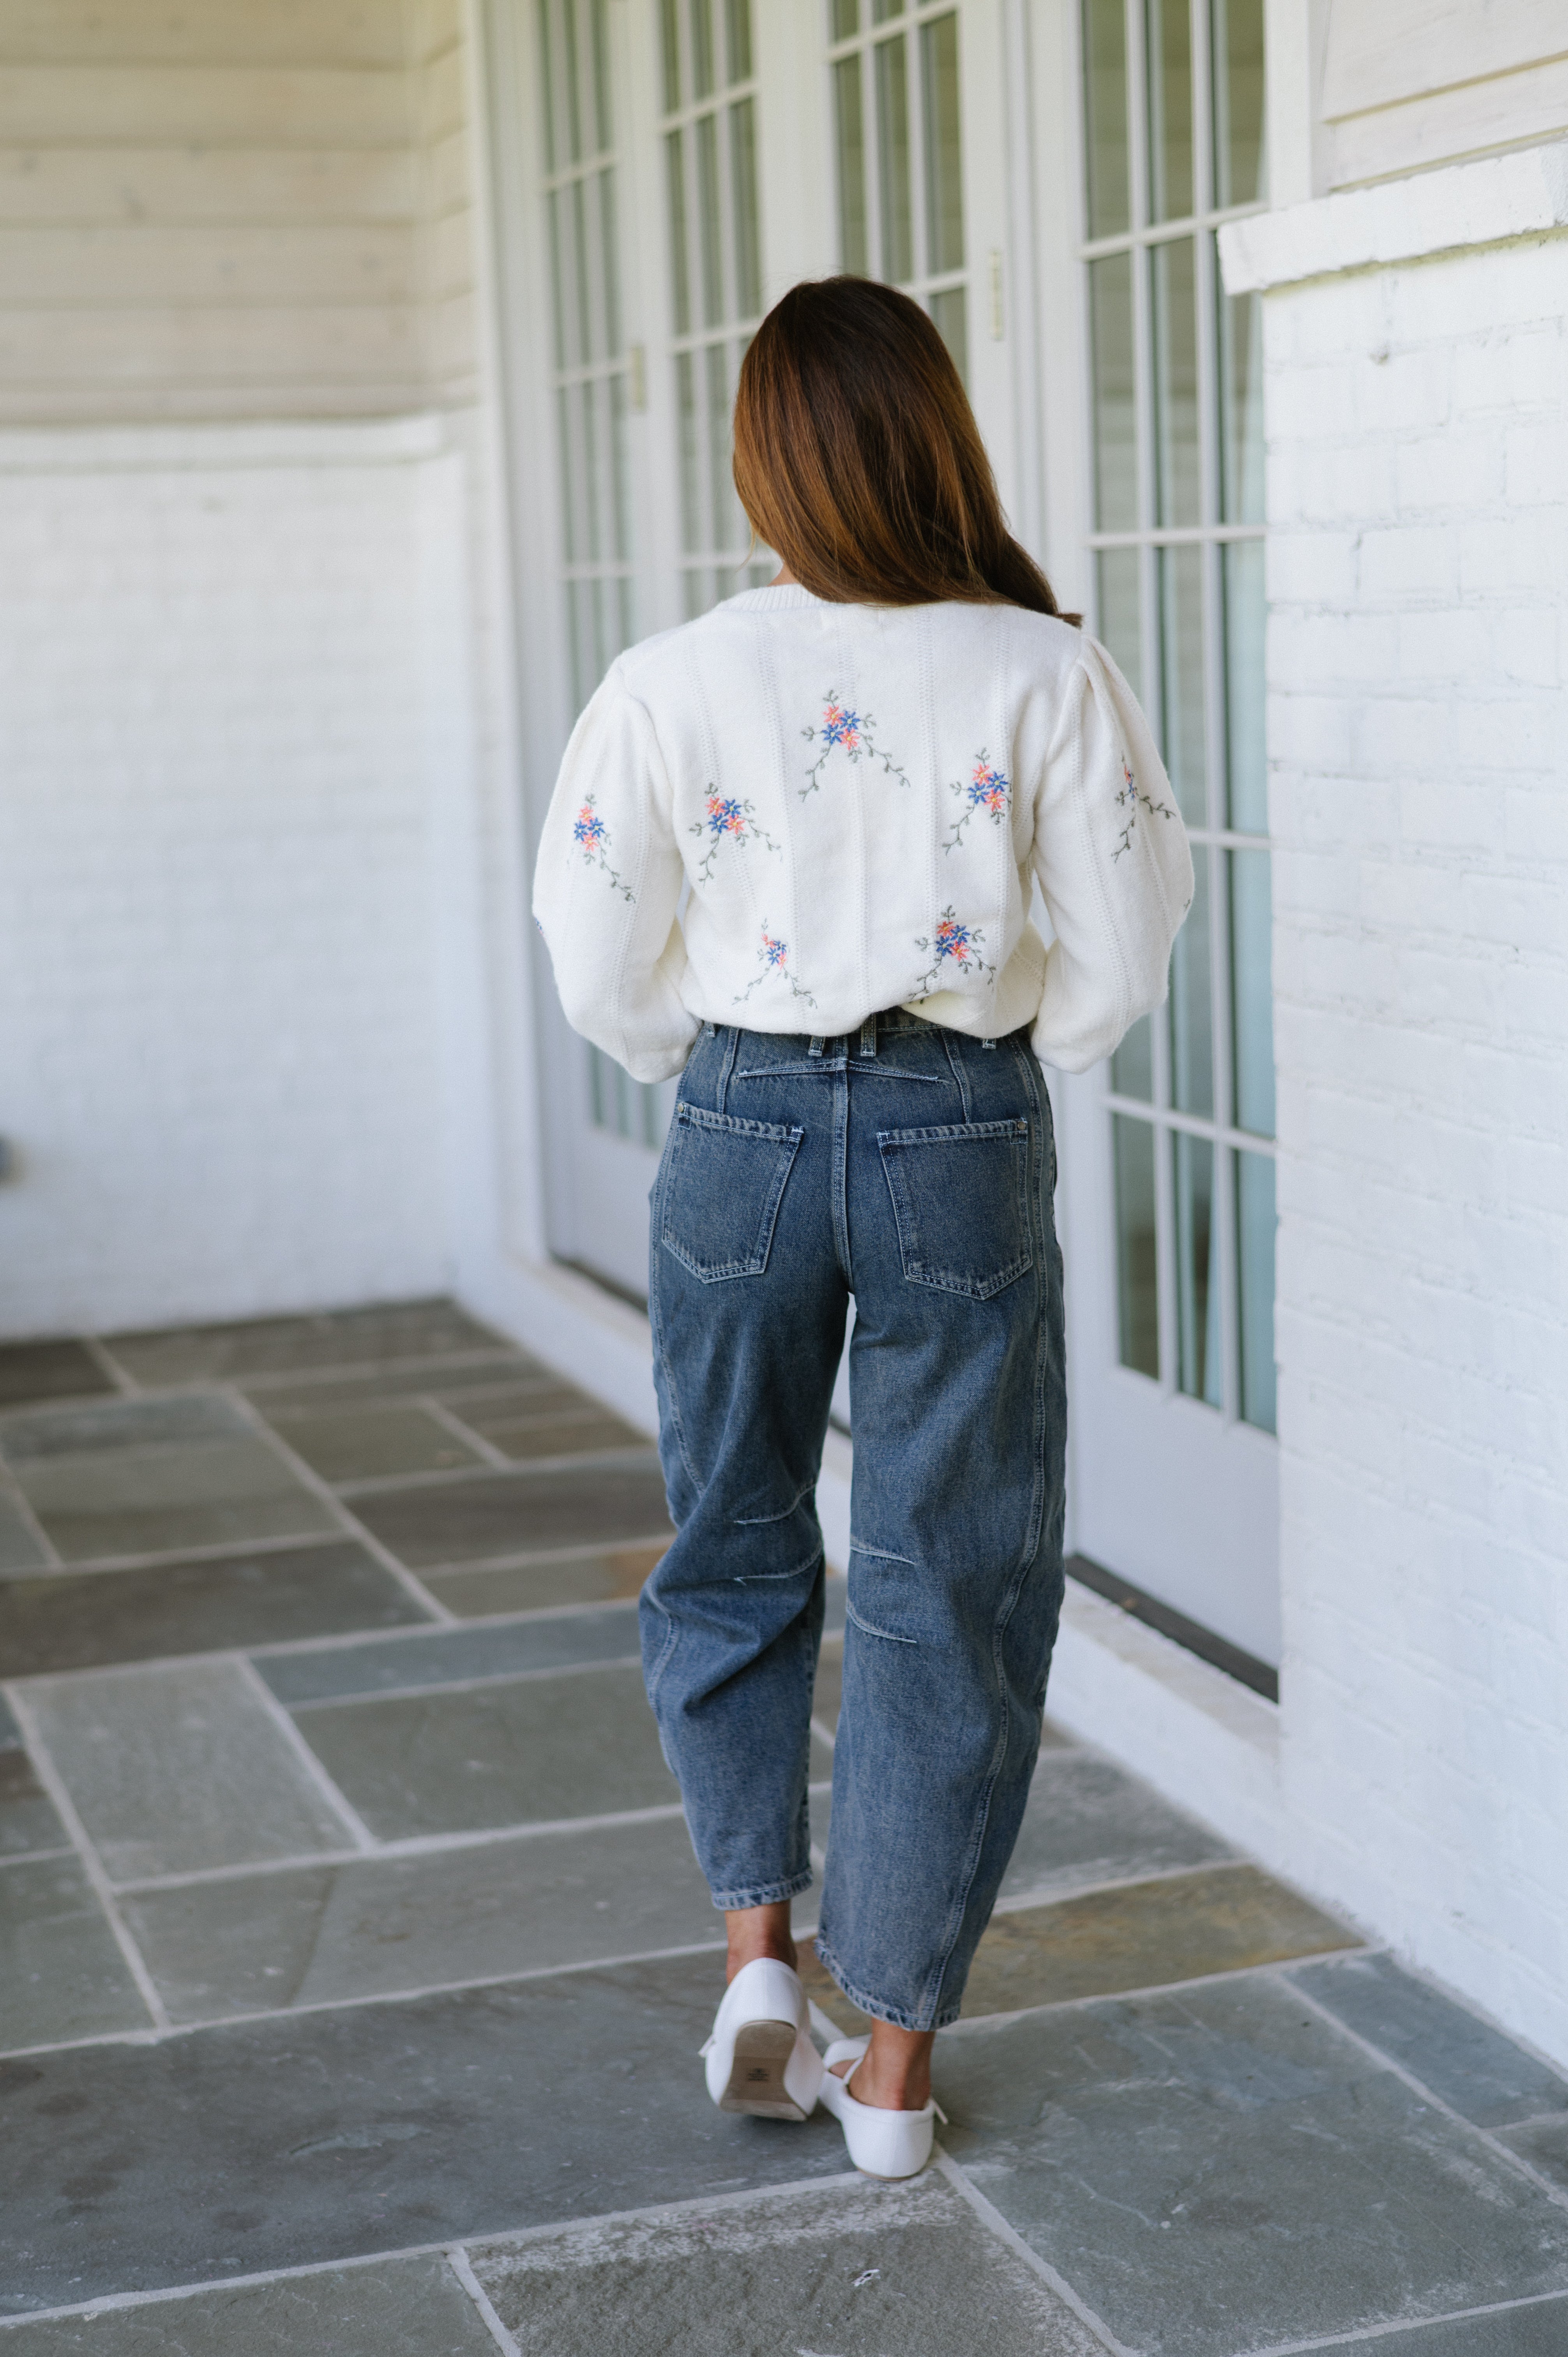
(818, 1043)
(868, 1036)
(988, 1043)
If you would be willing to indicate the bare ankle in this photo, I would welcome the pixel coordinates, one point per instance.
(758, 1931)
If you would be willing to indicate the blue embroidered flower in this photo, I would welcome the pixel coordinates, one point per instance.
(844, 730)
(592, 837)
(727, 819)
(954, 948)
(985, 788)
(774, 958)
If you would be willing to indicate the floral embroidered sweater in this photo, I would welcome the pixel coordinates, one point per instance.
(791, 816)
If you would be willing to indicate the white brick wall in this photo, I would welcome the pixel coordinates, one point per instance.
(1418, 491)
(219, 956)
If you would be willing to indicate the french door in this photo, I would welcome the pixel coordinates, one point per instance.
(692, 159)
(1168, 1179)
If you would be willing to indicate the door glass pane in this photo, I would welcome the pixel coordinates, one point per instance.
(1241, 409)
(1169, 50)
(1245, 763)
(1132, 1065)
(893, 160)
(1191, 1004)
(721, 491)
(1105, 110)
(1181, 640)
(846, 18)
(702, 47)
(1251, 1016)
(743, 190)
(1240, 174)
(737, 28)
(854, 252)
(1137, 1301)
(680, 248)
(1199, 1372)
(1120, 623)
(669, 24)
(883, 11)
(708, 223)
(691, 533)
(1255, 1252)
(1115, 412)
(944, 180)
(1177, 485)
(947, 311)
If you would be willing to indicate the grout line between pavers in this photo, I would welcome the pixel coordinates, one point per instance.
(109, 2301)
(451, 1422)
(1369, 2335)
(96, 1566)
(458, 2261)
(34, 1858)
(466, 1685)
(629, 1454)
(992, 2219)
(53, 1560)
(124, 1381)
(93, 1866)
(318, 1776)
(1556, 2194)
(1222, 1977)
(347, 1520)
(1045, 1895)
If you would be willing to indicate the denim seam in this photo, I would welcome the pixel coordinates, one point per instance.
(955, 1065)
(731, 1050)
(900, 2016)
(760, 1522)
(880, 1555)
(656, 1323)
(871, 1628)
(764, 1894)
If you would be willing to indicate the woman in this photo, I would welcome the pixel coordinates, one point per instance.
(853, 776)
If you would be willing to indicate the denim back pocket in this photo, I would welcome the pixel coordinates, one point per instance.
(961, 1202)
(724, 1182)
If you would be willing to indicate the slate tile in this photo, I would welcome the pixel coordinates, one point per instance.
(53, 1370)
(497, 1514)
(1089, 1822)
(394, 2308)
(369, 2128)
(551, 1641)
(1144, 1936)
(19, 1546)
(1217, 2169)
(531, 1752)
(1464, 2062)
(324, 1935)
(1543, 2143)
(108, 1425)
(583, 1576)
(827, 1698)
(1539, 2329)
(179, 1769)
(363, 1444)
(209, 1493)
(28, 1817)
(444, 1378)
(856, 2268)
(579, 1428)
(61, 1971)
(390, 1331)
(74, 1620)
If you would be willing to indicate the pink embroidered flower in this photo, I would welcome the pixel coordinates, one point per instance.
(726, 816)
(775, 952)
(841, 726)
(952, 940)
(988, 788)
(589, 829)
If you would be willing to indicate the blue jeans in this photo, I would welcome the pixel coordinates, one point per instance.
(913, 1168)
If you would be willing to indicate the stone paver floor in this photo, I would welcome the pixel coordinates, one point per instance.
(353, 1962)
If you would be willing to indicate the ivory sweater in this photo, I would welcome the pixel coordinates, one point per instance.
(853, 801)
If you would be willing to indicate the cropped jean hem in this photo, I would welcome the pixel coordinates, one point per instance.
(865, 2003)
(764, 1894)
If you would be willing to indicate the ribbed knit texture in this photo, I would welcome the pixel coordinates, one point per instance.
(790, 814)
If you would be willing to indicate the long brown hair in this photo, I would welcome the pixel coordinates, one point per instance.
(858, 459)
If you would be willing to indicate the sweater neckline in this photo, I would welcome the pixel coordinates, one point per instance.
(775, 598)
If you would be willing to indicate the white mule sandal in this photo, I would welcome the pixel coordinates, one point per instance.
(760, 2056)
(881, 2143)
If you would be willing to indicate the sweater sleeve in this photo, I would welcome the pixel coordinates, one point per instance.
(1111, 858)
(607, 887)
